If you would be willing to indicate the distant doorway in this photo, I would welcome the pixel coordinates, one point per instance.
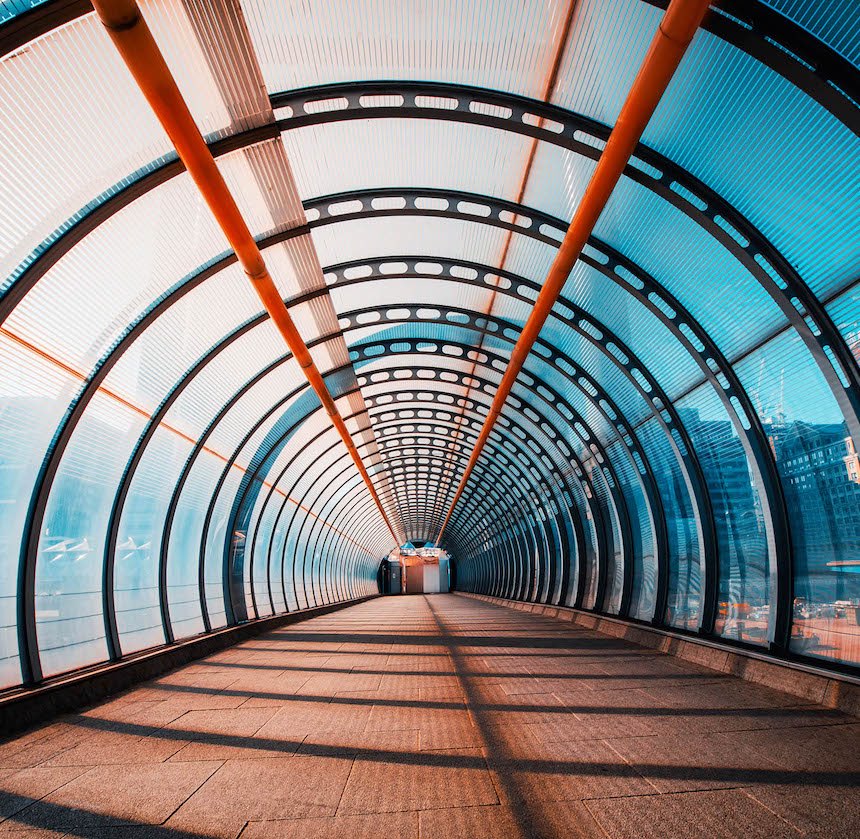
(418, 569)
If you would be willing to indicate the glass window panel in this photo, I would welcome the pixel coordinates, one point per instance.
(644, 561)
(271, 496)
(72, 542)
(264, 573)
(136, 561)
(745, 595)
(184, 552)
(34, 392)
(614, 558)
(845, 312)
(214, 538)
(685, 573)
(818, 466)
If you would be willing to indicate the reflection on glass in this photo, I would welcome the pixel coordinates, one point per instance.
(818, 465)
(744, 604)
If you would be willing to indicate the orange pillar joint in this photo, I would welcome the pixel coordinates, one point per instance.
(133, 39)
(677, 28)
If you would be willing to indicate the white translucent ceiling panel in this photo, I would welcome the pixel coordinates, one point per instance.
(489, 43)
(156, 361)
(174, 34)
(303, 460)
(224, 375)
(89, 297)
(399, 392)
(70, 91)
(557, 181)
(374, 153)
(607, 44)
(412, 236)
(328, 355)
(61, 92)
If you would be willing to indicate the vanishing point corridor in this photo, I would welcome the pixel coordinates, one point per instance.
(429, 419)
(437, 717)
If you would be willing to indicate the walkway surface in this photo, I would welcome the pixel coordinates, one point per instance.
(433, 717)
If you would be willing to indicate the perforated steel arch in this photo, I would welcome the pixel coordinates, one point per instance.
(681, 447)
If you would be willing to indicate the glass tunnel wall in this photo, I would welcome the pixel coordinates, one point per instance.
(681, 447)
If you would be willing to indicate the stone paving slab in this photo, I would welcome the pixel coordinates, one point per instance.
(437, 717)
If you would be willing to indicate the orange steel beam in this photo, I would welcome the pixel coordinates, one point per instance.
(133, 39)
(677, 28)
(546, 95)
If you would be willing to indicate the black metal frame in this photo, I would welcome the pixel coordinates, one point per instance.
(649, 292)
(819, 71)
(803, 310)
(275, 483)
(401, 341)
(749, 25)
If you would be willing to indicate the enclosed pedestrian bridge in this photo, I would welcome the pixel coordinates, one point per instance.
(412, 407)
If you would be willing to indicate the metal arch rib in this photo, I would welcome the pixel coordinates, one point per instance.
(749, 25)
(614, 487)
(104, 369)
(822, 338)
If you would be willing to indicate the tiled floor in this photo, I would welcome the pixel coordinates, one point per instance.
(434, 717)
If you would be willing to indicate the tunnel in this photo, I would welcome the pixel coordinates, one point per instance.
(554, 302)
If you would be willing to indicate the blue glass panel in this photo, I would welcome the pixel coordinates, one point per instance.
(71, 547)
(613, 559)
(184, 550)
(138, 547)
(757, 140)
(821, 480)
(685, 575)
(262, 536)
(667, 360)
(745, 600)
(13, 8)
(640, 224)
(644, 556)
(845, 312)
(833, 21)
